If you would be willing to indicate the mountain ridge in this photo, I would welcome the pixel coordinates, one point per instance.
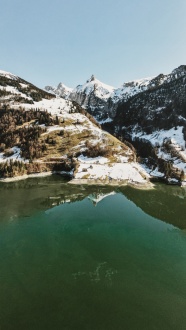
(140, 110)
(41, 132)
(101, 100)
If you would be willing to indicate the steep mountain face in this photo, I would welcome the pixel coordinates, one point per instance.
(150, 113)
(161, 106)
(42, 132)
(94, 96)
(155, 122)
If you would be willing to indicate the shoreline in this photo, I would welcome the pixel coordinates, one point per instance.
(25, 176)
(114, 183)
(148, 185)
(34, 175)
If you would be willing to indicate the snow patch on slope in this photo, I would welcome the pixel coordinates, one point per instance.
(16, 155)
(174, 136)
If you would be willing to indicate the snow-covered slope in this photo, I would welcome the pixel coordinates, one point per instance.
(41, 132)
(169, 147)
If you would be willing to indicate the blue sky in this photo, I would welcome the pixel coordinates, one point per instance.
(46, 42)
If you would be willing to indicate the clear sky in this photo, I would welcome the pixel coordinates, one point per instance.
(52, 41)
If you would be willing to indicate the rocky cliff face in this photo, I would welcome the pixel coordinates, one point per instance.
(93, 96)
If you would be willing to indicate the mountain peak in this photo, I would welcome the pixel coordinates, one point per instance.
(63, 86)
(92, 78)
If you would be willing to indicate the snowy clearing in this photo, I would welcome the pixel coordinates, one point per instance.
(89, 168)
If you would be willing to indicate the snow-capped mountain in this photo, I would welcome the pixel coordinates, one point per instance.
(93, 95)
(147, 112)
(41, 132)
(99, 99)
(102, 100)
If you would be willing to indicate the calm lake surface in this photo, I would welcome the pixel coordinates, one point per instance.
(91, 257)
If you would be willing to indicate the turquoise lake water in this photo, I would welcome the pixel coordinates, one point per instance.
(74, 257)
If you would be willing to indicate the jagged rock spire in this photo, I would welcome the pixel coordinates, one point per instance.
(92, 78)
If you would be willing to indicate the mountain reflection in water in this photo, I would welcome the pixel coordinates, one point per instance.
(23, 198)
